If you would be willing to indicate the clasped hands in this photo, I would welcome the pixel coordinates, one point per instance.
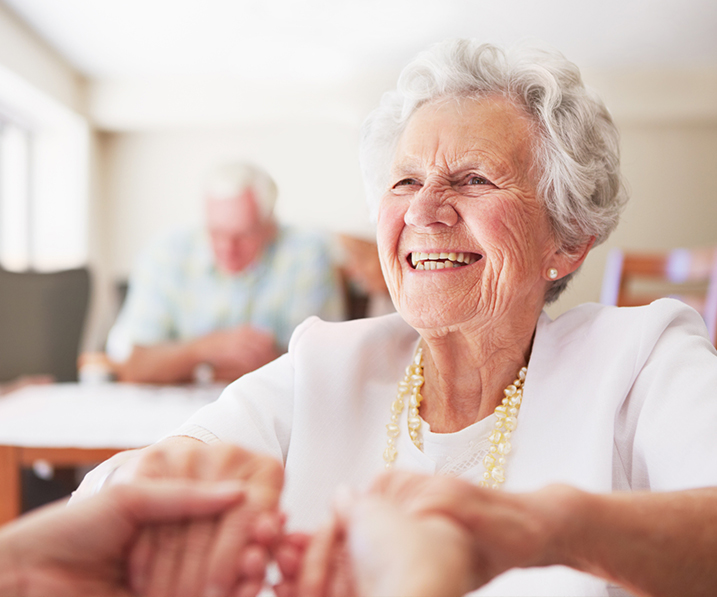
(408, 535)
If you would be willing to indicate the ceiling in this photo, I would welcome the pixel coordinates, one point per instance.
(328, 40)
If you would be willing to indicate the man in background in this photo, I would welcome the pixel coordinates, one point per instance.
(222, 301)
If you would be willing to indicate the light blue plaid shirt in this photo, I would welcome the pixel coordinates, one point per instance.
(177, 293)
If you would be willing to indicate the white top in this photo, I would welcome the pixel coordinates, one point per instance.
(615, 398)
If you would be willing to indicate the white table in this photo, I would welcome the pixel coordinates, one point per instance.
(70, 424)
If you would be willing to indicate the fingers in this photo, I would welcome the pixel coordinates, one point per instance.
(226, 556)
(289, 554)
(265, 479)
(196, 558)
(286, 589)
(397, 485)
(228, 560)
(176, 457)
(140, 561)
(397, 552)
(156, 559)
(172, 500)
(268, 528)
(248, 589)
(169, 542)
(186, 458)
(192, 573)
(425, 494)
(316, 568)
(169, 549)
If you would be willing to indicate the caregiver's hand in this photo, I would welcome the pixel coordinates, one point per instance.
(82, 549)
(223, 556)
(651, 543)
(506, 530)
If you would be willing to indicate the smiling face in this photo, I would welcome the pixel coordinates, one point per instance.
(462, 237)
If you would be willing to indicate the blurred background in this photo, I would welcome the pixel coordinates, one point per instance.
(112, 111)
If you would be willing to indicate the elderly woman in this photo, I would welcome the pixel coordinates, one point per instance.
(492, 174)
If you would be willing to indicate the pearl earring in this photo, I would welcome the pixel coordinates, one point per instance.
(552, 273)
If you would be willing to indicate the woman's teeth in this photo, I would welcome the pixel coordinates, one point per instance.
(424, 261)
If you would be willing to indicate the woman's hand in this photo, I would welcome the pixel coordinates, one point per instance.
(324, 567)
(187, 458)
(430, 536)
(219, 555)
(82, 550)
(373, 546)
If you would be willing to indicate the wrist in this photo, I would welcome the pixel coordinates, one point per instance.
(197, 352)
(189, 356)
(577, 511)
(563, 512)
(104, 475)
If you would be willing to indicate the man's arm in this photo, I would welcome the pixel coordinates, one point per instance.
(170, 362)
(230, 353)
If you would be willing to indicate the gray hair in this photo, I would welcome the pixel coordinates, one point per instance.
(577, 156)
(226, 181)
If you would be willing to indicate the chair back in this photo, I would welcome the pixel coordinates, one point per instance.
(638, 278)
(42, 317)
(360, 274)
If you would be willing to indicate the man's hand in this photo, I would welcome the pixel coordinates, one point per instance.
(237, 351)
(230, 353)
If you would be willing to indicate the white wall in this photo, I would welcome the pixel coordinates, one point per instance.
(24, 53)
(154, 179)
(668, 122)
(671, 171)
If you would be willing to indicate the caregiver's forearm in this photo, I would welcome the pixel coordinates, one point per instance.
(657, 544)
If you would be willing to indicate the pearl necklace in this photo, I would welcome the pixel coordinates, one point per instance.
(506, 415)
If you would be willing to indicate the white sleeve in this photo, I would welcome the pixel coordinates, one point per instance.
(668, 423)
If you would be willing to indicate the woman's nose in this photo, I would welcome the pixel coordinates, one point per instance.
(430, 208)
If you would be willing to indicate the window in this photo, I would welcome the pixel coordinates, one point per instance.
(44, 175)
(15, 197)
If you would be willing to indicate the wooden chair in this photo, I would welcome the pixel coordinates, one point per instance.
(361, 276)
(638, 278)
(42, 316)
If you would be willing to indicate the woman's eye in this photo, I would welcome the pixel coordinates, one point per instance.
(475, 179)
(406, 182)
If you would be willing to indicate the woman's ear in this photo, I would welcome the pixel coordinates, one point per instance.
(563, 262)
